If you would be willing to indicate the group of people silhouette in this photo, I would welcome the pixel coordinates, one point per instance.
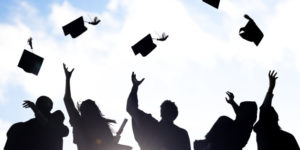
(91, 130)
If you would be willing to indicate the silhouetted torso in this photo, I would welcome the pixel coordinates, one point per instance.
(153, 135)
(91, 135)
(245, 118)
(173, 137)
(22, 136)
(222, 135)
(55, 131)
(145, 129)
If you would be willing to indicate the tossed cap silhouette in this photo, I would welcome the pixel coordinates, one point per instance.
(251, 32)
(213, 3)
(75, 28)
(144, 46)
(30, 62)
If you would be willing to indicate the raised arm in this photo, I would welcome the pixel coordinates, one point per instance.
(230, 100)
(272, 82)
(71, 109)
(38, 114)
(132, 101)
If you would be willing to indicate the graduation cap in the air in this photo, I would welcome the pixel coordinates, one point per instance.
(251, 32)
(146, 45)
(30, 62)
(213, 3)
(75, 28)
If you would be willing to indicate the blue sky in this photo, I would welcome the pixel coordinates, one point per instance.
(202, 59)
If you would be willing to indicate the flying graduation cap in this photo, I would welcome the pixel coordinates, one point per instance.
(251, 32)
(76, 27)
(146, 45)
(30, 62)
(213, 3)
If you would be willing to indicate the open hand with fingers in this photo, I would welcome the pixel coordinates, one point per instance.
(28, 104)
(67, 72)
(136, 82)
(272, 79)
(230, 98)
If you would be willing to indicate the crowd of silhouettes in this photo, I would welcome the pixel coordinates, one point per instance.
(92, 131)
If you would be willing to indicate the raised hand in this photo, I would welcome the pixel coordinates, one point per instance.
(272, 80)
(67, 73)
(136, 82)
(28, 104)
(230, 98)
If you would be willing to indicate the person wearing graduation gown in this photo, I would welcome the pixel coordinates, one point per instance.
(228, 134)
(91, 131)
(269, 135)
(152, 134)
(44, 132)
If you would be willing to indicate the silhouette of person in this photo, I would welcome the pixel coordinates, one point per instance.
(152, 134)
(38, 133)
(56, 123)
(228, 134)
(91, 131)
(269, 135)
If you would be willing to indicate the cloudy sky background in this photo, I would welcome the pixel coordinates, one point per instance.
(202, 59)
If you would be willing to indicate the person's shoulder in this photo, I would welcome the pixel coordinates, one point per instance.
(150, 118)
(146, 116)
(30, 122)
(181, 130)
(15, 127)
(57, 111)
(286, 135)
(288, 139)
(18, 124)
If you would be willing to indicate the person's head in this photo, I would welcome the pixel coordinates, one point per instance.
(44, 104)
(88, 108)
(58, 116)
(90, 112)
(268, 120)
(168, 111)
(248, 110)
(219, 132)
(271, 118)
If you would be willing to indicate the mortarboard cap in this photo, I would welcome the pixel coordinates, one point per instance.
(75, 28)
(213, 3)
(144, 46)
(251, 32)
(30, 62)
